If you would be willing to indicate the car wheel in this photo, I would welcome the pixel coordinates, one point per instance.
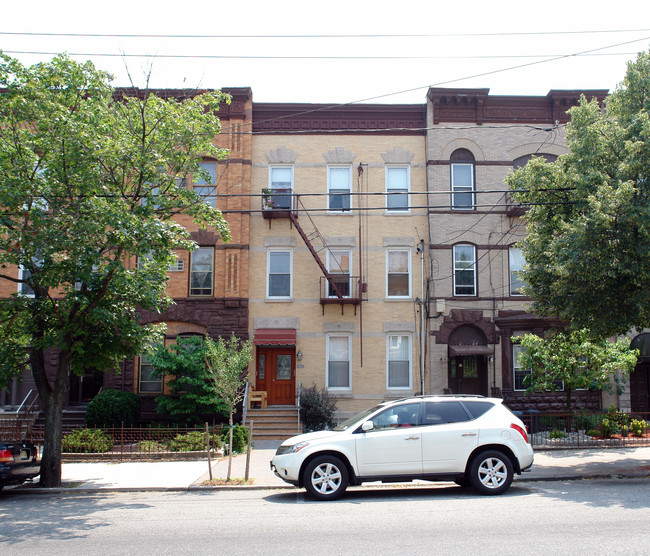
(491, 472)
(325, 478)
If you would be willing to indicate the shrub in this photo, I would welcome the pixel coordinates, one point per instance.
(239, 438)
(609, 427)
(556, 434)
(593, 432)
(638, 427)
(111, 408)
(151, 446)
(87, 441)
(193, 442)
(317, 409)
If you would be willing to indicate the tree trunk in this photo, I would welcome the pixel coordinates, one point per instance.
(229, 447)
(52, 395)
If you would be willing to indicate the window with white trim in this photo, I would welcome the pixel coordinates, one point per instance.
(279, 282)
(516, 263)
(398, 361)
(338, 264)
(281, 186)
(202, 271)
(398, 185)
(339, 187)
(464, 270)
(24, 288)
(207, 189)
(398, 273)
(519, 374)
(462, 180)
(338, 362)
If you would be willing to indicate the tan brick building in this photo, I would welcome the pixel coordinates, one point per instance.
(336, 252)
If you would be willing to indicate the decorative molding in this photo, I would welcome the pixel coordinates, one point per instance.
(339, 156)
(398, 242)
(398, 156)
(335, 241)
(281, 155)
(330, 327)
(281, 241)
(276, 322)
(460, 317)
(399, 327)
(386, 119)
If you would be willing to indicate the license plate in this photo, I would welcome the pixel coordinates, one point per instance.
(24, 455)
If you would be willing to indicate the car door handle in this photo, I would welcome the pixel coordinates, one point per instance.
(412, 438)
(468, 434)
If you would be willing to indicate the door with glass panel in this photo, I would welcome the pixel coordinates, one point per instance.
(276, 374)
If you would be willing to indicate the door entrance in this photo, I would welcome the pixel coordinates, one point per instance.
(468, 374)
(640, 388)
(275, 373)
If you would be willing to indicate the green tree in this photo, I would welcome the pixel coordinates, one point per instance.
(589, 219)
(572, 360)
(90, 182)
(227, 362)
(194, 398)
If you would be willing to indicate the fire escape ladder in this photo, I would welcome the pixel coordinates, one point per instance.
(316, 243)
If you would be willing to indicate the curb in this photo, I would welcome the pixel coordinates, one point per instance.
(199, 488)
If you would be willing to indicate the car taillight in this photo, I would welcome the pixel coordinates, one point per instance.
(6, 456)
(520, 430)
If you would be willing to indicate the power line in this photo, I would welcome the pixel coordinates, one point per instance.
(321, 36)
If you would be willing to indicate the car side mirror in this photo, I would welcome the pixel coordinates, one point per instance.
(367, 426)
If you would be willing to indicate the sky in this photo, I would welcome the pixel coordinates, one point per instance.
(338, 51)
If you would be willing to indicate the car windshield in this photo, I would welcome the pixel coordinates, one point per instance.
(353, 421)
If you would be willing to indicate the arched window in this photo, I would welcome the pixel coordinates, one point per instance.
(642, 343)
(462, 180)
(523, 160)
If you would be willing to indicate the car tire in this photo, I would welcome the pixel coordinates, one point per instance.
(325, 478)
(491, 472)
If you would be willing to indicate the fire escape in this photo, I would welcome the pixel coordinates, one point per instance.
(336, 285)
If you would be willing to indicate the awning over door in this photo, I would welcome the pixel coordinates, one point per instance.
(275, 337)
(456, 351)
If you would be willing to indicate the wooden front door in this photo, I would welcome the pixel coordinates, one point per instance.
(276, 374)
(640, 388)
(468, 375)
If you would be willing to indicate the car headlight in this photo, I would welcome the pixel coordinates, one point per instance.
(291, 449)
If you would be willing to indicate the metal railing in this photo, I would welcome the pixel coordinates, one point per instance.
(587, 429)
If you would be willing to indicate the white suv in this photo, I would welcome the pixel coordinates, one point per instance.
(471, 440)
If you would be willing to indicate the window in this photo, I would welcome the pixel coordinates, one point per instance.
(207, 189)
(279, 274)
(405, 415)
(399, 362)
(281, 185)
(149, 383)
(519, 373)
(397, 188)
(462, 180)
(398, 271)
(201, 271)
(338, 263)
(464, 270)
(339, 180)
(439, 413)
(338, 362)
(23, 287)
(516, 261)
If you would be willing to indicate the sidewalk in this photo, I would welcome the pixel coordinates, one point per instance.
(185, 475)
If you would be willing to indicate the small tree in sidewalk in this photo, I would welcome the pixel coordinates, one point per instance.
(226, 362)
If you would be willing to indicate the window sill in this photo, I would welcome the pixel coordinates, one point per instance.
(391, 299)
(279, 300)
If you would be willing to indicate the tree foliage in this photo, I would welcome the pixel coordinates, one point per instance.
(227, 361)
(89, 183)
(586, 252)
(193, 398)
(572, 360)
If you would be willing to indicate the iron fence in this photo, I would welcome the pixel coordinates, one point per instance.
(587, 429)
